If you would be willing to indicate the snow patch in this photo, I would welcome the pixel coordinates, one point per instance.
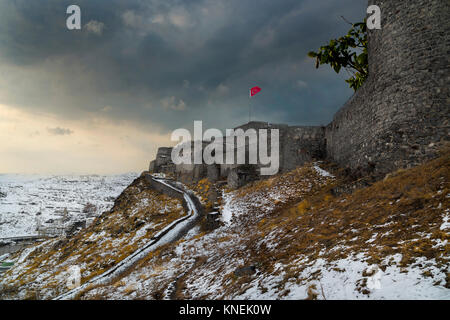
(322, 172)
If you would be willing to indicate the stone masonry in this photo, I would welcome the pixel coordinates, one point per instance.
(400, 115)
(397, 119)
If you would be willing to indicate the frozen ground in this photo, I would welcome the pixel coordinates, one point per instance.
(25, 199)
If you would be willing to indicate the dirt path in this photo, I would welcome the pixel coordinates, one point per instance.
(171, 233)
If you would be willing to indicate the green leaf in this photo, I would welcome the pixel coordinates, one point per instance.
(348, 51)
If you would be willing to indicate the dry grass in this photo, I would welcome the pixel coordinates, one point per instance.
(401, 214)
(111, 238)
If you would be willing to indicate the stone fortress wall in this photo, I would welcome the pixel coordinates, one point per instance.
(400, 116)
(297, 145)
(397, 119)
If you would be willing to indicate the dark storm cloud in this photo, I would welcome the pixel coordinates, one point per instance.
(165, 63)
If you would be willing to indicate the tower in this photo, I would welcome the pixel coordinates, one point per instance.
(400, 116)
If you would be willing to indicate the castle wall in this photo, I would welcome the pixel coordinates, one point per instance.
(297, 144)
(189, 173)
(300, 145)
(163, 158)
(397, 119)
(401, 114)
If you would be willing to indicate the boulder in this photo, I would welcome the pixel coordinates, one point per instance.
(245, 271)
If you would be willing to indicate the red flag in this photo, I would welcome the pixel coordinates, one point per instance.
(254, 91)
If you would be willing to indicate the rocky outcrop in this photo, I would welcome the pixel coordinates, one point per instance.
(241, 175)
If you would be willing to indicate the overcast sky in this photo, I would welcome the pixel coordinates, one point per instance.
(103, 98)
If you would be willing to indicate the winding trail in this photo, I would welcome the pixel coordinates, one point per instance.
(169, 234)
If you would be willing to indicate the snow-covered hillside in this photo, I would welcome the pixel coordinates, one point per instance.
(289, 238)
(27, 199)
(304, 234)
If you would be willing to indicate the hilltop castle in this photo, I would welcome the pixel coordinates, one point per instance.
(397, 119)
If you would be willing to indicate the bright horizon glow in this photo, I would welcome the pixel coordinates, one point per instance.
(43, 144)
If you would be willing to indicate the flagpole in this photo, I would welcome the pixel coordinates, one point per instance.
(252, 92)
(250, 106)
